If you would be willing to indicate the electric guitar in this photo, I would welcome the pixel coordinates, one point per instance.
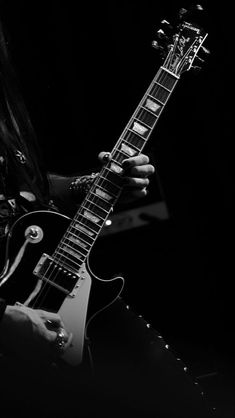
(47, 254)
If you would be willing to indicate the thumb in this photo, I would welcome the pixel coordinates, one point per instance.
(104, 157)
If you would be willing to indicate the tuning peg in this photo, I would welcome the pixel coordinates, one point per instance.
(199, 58)
(196, 7)
(196, 68)
(166, 25)
(161, 35)
(165, 22)
(182, 12)
(156, 45)
(160, 48)
(192, 9)
(205, 50)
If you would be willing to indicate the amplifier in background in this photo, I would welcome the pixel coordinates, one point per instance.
(135, 217)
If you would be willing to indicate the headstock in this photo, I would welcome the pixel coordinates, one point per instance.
(180, 45)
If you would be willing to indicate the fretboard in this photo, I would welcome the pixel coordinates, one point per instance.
(91, 216)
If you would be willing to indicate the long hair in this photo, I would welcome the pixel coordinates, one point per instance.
(16, 130)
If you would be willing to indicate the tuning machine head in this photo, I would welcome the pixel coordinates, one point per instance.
(163, 36)
(180, 45)
(199, 60)
(160, 48)
(193, 9)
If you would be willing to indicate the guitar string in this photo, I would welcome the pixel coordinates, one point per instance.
(163, 77)
(122, 137)
(52, 277)
(90, 205)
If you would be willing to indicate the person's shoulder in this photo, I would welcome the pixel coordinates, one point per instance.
(2, 307)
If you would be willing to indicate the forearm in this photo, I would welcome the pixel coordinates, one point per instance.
(60, 187)
(68, 192)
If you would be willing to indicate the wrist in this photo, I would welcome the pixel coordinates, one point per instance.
(81, 185)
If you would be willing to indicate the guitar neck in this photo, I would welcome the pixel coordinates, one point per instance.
(91, 216)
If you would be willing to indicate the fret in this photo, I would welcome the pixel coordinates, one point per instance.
(142, 123)
(152, 105)
(115, 168)
(164, 87)
(114, 178)
(140, 129)
(65, 248)
(73, 256)
(104, 199)
(94, 210)
(156, 98)
(168, 78)
(100, 210)
(129, 151)
(148, 109)
(144, 116)
(82, 231)
(159, 93)
(67, 259)
(88, 223)
(106, 195)
(75, 244)
(119, 156)
(133, 139)
(91, 215)
(109, 186)
(135, 150)
(81, 238)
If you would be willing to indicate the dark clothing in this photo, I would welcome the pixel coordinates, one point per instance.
(20, 194)
(128, 369)
(2, 307)
(134, 374)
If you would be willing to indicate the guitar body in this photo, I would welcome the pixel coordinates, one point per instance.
(20, 283)
(47, 254)
(132, 368)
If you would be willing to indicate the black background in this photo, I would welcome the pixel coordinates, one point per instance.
(83, 67)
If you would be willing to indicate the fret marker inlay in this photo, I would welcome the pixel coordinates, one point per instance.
(72, 252)
(128, 150)
(78, 241)
(83, 229)
(116, 168)
(90, 216)
(139, 128)
(151, 105)
(103, 194)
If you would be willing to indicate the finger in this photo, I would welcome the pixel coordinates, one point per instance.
(104, 157)
(135, 193)
(50, 336)
(140, 193)
(139, 183)
(51, 319)
(60, 335)
(62, 340)
(69, 342)
(142, 170)
(140, 159)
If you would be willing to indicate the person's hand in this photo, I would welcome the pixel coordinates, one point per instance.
(137, 171)
(33, 335)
